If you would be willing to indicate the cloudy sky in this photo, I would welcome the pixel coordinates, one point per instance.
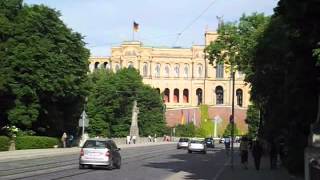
(106, 23)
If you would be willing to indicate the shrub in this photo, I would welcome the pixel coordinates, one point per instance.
(36, 142)
(4, 143)
(186, 130)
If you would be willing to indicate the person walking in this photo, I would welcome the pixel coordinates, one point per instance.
(227, 145)
(128, 140)
(150, 139)
(273, 155)
(257, 153)
(244, 151)
(155, 138)
(64, 139)
(134, 139)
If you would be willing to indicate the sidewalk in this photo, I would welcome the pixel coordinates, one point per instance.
(6, 156)
(239, 173)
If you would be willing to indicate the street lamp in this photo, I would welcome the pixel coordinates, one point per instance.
(232, 114)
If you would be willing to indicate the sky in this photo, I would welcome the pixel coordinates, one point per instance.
(107, 23)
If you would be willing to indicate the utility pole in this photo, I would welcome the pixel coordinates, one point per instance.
(232, 114)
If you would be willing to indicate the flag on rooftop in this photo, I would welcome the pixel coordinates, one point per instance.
(135, 26)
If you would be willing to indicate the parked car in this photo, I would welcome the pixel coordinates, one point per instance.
(209, 142)
(183, 143)
(100, 152)
(197, 146)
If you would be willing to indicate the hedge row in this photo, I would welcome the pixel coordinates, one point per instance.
(4, 143)
(36, 142)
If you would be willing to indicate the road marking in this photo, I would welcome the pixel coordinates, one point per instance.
(221, 169)
(178, 175)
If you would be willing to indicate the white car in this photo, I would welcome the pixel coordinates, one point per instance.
(183, 143)
(100, 152)
(197, 146)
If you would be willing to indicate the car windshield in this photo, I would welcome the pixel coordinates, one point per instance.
(183, 140)
(208, 139)
(95, 144)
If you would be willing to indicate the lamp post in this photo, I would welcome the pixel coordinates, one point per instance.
(232, 114)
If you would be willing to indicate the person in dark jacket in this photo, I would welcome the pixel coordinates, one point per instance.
(257, 153)
(273, 155)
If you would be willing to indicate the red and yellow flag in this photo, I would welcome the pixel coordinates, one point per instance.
(183, 118)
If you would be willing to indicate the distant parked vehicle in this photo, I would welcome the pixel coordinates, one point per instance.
(209, 142)
(100, 152)
(197, 146)
(183, 143)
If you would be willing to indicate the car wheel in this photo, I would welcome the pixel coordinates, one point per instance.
(189, 151)
(118, 165)
(81, 166)
(111, 166)
(204, 152)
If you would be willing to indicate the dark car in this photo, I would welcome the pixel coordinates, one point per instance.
(209, 142)
(100, 152)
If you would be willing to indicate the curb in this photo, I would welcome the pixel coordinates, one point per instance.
(7, 156)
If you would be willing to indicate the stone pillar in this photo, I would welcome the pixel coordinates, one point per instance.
(134, 129)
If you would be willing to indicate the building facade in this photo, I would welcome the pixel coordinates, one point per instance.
(183, 75)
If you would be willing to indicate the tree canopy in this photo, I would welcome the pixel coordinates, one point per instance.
(280, 58)
(111, 100)
(43, 66)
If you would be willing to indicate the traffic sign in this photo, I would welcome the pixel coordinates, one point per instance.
(83, 121)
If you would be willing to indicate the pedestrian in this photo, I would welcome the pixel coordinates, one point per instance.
(134, 139)
(70, 140)
(150, 139)
(257, 153)
(273, 155)
(227, 145)
(64, 140)
(164, 137)
(155, 138)
(244, 151)
(128, 139)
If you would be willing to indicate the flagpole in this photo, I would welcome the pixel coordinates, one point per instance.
(133, 31)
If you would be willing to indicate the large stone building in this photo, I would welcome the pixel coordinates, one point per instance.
(185, 77)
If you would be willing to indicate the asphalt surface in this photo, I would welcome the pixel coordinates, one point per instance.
(138, 163)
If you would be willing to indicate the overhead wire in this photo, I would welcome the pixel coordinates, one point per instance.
(193, 21)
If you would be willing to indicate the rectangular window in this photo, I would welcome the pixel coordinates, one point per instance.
(219, 71)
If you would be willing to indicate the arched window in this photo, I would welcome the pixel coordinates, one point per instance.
(186, 70)
(219, 71)
(219, 95)
(145, 69)
(106, 65)
(166, 94)
(239, 97)
(176, 70)
(185, 96)
(157, 71)
(96, 65)
(117, 68)
(199, 95)
(200, 69)
(130, 64)
(167, 70)
(176, 95)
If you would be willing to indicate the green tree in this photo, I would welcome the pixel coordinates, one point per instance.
(111, 100)
(227, 131)
(253, 120)
(43, 69)
(186, 130)
(206, 125)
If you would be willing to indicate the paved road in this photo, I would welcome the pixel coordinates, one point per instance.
(138, 163)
